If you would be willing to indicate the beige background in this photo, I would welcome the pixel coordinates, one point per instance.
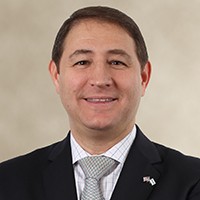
(31, 114)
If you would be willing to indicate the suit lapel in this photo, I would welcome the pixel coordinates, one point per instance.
(59, 181)
(140, 170)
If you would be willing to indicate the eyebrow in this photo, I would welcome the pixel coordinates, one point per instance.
(120, 52)
(80, 51)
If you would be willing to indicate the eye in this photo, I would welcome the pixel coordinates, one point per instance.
(82, 63)
(117, 63)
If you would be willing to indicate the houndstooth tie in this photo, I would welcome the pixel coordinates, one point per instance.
(94, 167)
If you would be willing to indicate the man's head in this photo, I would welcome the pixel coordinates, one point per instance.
(98, 74)
(104, 14)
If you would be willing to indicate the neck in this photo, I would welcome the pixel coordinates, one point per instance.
(96, 142)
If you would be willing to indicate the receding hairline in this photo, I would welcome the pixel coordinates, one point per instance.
(98, 20)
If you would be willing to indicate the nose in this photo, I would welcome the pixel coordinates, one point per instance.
(100, 76)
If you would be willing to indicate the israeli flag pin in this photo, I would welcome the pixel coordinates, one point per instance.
(148, 179)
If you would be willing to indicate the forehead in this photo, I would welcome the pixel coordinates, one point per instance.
(97, 29)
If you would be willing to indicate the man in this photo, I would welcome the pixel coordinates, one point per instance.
(100, 70)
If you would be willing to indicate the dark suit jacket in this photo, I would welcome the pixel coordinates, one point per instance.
(47, 174)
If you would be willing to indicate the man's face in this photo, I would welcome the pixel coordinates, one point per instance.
(100, 81)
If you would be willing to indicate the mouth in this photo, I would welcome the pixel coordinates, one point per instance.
(100, 100)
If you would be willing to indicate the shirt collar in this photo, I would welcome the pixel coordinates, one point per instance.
(118, 152)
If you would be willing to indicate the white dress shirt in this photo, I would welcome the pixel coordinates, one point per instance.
(118, 152)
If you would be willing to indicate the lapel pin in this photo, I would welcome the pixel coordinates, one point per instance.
(147, 179)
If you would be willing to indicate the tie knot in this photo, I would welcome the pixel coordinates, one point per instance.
(96, 166)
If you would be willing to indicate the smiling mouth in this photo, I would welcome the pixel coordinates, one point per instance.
(100, 100)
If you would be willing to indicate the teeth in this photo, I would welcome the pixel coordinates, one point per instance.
(99, 100)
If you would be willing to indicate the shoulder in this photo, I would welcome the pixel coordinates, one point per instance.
(22, 163)
(179, 165)
(36, 159)
(174, 166)
(170, 158)
(20, 175)
(180, 171)
(177, 157)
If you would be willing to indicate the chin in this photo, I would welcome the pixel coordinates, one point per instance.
(100, 126)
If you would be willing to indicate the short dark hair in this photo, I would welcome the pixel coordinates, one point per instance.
(105, 14)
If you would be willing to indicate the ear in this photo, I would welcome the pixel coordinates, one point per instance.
(53, 70)
(145, 76)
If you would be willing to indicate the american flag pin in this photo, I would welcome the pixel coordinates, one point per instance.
(148, 179)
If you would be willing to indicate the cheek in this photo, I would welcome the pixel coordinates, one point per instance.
(131, 85)
(132, 93)
(70, 87)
